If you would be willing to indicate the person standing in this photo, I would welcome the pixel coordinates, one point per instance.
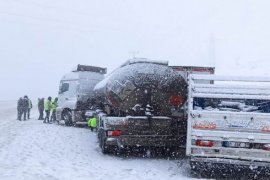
(41, 108)
(47, 108)
(54, 106)
(29, 108)
(25, 105)
(92, 123)
(19, 108)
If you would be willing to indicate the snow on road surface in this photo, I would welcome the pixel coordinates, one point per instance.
(33, 150)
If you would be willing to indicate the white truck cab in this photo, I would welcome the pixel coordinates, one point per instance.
(76, 93)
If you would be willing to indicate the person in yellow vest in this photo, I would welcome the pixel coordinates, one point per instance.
(47, 108)
(54, 106)
(92, 123)
(29, 108)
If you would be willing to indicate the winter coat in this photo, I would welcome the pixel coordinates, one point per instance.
(20, 104)
(25, 103)
(41, 104)
(92, 122)
(47, 105)
(54, 105)
(30, 104)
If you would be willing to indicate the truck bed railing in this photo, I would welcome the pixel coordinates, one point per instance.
(233, 88)
(221, 126)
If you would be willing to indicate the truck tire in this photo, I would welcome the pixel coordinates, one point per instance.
(67, 118)
(200, 170)
(104, 148)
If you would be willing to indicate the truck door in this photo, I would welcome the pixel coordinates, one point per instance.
(67, 94)
(63, 88)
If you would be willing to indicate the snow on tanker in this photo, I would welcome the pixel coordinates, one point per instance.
(138, 85)
(142, 105)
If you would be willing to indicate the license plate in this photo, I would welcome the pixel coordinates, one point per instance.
(232, 144)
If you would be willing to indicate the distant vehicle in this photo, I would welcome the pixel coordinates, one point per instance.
(143, 105)
(76, 93)
(228, 123)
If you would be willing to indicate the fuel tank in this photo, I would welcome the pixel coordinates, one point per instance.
(142, 85)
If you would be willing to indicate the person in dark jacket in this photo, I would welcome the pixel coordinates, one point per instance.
(19, 108)
(41, 108)
(25, 105)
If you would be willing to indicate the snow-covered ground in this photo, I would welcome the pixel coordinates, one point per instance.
(33, 150)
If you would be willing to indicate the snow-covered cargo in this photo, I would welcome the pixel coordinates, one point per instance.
(228, 122)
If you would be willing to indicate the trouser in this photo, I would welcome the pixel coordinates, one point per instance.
(47, 117)
(53, 116)
(93, 128)
(28, 113)
(23, 112)
(19, 115)
(40, 114)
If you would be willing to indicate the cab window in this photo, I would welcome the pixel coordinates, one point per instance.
(63, 88)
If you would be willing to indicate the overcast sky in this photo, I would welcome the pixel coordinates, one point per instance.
(40, 40)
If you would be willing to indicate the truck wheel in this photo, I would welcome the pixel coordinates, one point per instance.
(67, 118)
(104, 148)
(200, 170)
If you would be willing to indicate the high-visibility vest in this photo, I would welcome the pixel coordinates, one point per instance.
(54, 105)
(47, 105)
(92, 122)
(30, 104)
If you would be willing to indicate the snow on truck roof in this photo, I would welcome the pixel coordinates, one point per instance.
(84, 72)
(70, 76)
(89, 68)
(144, 60)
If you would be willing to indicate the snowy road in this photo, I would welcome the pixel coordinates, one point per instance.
(33, 150)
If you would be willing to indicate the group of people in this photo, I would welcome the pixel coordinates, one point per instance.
(49, 106)
(24, 105)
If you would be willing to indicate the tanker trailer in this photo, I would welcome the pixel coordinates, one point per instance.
(137, 103)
